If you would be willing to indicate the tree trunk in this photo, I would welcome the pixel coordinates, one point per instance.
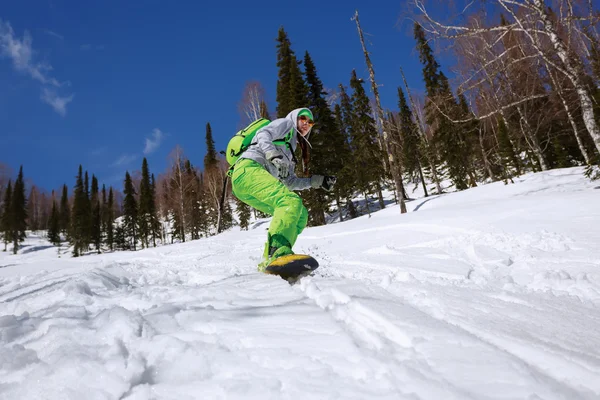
(486, 161)
(380, 196)
(570, 118)
(395, 167)
(339, 207)
(532, 140)
(421, 132)
(367, 204)
(221, 205)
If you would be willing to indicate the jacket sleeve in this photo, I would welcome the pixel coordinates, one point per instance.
(295, 183)
(277, 129)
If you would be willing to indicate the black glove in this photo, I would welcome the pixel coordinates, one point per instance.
(323, 181)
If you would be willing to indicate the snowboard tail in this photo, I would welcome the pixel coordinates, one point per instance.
(292, 267)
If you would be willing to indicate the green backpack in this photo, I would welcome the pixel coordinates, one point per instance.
(241, 141)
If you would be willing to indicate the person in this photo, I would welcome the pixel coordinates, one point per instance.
(264, 178)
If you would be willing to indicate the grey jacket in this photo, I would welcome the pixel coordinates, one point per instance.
(262, 148)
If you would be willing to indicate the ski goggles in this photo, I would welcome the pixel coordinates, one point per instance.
(304, 118)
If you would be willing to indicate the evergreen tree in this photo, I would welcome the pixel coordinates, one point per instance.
(65, 214)
(243, 213)
(87, 213)
(506, 152)
(18, 207)
(285, 57)
(344, 188)
(54, 226)
(411, 142)
(95, 218)
(448, 138)
(466, 137)
(368, 156)
(154, 221)
(103, 215)
(325, 142)
(120, 238)
(146, 208)
(193, 208)
(210, 159)
(79, 215)
(348, 176)
(292, 91)
(6, 221)
(109, 220)
(130, 213)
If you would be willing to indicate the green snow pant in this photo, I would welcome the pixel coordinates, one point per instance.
(255, 186)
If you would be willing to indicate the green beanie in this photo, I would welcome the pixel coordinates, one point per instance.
(306, 111)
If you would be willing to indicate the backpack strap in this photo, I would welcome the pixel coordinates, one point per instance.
(286, 142)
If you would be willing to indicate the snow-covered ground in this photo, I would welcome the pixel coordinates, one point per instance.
(490, 293)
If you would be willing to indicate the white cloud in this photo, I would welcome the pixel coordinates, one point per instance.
(52, 33)
(59, 104)
(20, 52)
(154, 141)
(125, 159)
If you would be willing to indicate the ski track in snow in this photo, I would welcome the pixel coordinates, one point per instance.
(475, 296)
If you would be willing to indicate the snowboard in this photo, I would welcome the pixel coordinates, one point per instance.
(292, 267)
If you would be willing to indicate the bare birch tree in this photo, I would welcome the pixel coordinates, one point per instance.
(253, 97)
(395, 166)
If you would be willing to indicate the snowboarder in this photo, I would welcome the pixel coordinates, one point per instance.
(263, 177)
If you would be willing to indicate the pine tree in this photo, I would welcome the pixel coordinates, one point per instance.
(109, 220)
(285, 57)
(348, 176)
(120, 238)
(411, 142)
(87, 214)
(95, 216)
(466, 135)
(447, 138)
(154, 221)
(54, 226)
(6, 221)
(506, 152)
(130, 213)
(18, 212)
(79, 215)
(323, 159)
(368, 155)
(65, 214)
(103, 215)
(292, 91)
(243, 213)
(210, 159)
(146, 205)
(344, 188)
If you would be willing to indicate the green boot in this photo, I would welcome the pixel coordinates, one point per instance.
(275, 247)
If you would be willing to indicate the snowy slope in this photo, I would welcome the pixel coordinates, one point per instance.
(490, 293)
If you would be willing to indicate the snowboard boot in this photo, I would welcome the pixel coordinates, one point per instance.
(276, 247)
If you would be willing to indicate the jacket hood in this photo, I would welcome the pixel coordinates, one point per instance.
(293, 116)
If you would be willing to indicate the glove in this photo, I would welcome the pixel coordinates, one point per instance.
(320, 181)
(283, 168)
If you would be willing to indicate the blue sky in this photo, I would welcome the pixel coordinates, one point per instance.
(104, 84)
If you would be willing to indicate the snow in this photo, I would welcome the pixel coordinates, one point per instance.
(490, 293)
